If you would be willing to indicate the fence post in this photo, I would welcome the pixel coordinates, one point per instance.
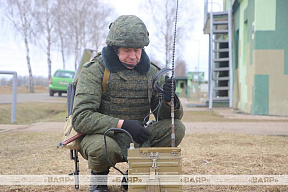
(14, 94)
(14, 98)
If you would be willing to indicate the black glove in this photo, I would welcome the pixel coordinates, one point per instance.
(137, 130)
(167, 88)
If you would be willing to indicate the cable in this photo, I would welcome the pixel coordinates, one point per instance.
(158, 106)
(157, 88)
(155, 85)
(106, 148)
(160, 101)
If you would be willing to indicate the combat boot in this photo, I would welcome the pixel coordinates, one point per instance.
(94, 185)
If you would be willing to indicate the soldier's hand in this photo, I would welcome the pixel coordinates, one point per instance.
(137, 130)
(167, 88)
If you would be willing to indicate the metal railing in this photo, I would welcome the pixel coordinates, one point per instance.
(210, 8)
(14, 94)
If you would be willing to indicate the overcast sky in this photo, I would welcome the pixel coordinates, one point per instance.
(13, 55)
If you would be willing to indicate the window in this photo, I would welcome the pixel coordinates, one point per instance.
(64, 74)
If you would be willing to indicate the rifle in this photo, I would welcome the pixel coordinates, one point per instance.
(70, 99)
(69, 140)
(73, 153)
(74, 156)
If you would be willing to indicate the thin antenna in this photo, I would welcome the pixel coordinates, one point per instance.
(172, 84)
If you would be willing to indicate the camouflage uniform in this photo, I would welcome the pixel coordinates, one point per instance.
(129, 95)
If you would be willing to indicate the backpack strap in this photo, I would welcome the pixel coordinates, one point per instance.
(104, 82)
(105, 79)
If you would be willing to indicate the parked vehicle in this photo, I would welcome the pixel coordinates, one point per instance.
(60, 81)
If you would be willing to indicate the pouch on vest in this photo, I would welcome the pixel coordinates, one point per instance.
(68, 139)
(71, 139)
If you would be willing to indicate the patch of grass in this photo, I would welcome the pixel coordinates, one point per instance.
(28, 113)
(239, 154)
(201, 116)
(202, 154)
(234, 154)
(23, 89)
(212, 116)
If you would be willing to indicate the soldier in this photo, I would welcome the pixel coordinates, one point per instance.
(129, 97)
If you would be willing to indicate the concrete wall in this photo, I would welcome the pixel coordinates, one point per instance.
(181, 91)
(260, 57)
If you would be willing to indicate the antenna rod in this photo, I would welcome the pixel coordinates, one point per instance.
(172, 84)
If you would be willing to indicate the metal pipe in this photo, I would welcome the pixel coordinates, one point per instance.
(230, 57)
(198, 71)
(14, 94)
(211, 63)
(14, 98)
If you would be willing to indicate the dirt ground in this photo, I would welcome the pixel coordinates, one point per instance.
(209, 148)
(257, 128)
(263, 125)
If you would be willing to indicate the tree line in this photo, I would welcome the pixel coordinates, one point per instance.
(24, 81)
(69, 26)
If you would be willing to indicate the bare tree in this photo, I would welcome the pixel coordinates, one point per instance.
(163, 15)
(61, 26)
(76, 14)
(154, 59)
(99, 20)
(64, 19)
(76, 18)
(85, 28)
(3, 81)
(20, 13)
(45, 15)
(180, 68)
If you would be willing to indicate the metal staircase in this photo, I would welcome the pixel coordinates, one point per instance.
(220, 64)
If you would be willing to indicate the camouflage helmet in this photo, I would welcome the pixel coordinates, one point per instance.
(128, 31)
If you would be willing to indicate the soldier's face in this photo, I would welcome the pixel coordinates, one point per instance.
(129, 56)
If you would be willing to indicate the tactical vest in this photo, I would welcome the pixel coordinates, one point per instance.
(128, 94)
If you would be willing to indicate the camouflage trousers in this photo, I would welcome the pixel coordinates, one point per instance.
(92, 147)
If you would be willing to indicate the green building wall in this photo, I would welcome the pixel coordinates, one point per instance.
(260, 56)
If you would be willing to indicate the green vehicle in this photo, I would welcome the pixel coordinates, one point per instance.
(60, 81)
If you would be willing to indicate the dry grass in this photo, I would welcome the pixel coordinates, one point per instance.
(203, 154)
(22, 89)
(28, 113)
(213, 116)
(235, 154)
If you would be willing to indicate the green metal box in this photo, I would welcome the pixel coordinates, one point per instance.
(150, 162)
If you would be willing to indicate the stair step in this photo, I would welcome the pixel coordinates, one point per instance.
(221, 50)
(221, 88)
(222, 79)
(221, 59)
(224, 22)
(220, 13)
(221, 99)
(221, 69)
(220, 31)
(221, 41)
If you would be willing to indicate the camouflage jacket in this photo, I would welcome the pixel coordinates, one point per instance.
(129, 95)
